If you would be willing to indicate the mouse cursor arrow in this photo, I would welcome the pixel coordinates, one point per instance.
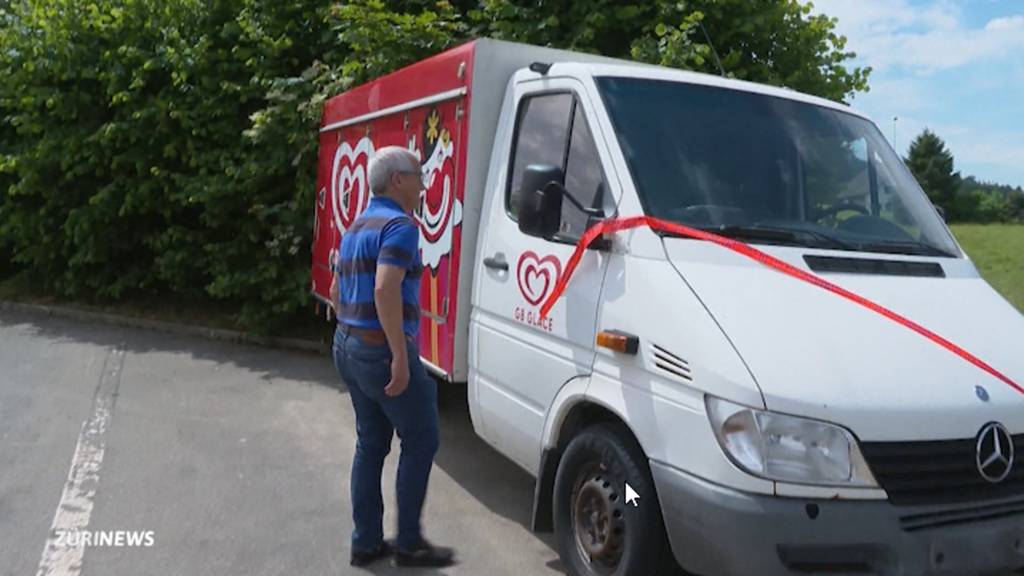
(631, 495)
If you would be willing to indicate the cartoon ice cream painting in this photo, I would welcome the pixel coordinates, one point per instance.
(440, 211)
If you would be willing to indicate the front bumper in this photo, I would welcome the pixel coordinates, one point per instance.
(717, 531)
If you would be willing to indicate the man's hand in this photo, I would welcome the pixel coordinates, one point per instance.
(334, 292)
(399, 376)
(387, 295)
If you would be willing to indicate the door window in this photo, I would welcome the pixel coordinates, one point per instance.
(552, 129)
(584, 178)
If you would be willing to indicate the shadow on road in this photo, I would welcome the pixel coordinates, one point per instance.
(266, 363)
(492, 479)
(489, 477)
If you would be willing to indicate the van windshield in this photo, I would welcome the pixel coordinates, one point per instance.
(769, 170)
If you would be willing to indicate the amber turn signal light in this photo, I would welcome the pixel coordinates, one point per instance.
(618, 341)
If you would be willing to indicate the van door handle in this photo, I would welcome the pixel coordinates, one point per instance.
(496, 262)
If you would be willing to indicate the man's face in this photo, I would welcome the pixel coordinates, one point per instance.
(407, 185)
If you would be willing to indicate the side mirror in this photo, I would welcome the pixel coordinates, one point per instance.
(941, 211)
(540, 202)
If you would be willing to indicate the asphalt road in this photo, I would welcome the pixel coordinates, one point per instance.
(235, 458)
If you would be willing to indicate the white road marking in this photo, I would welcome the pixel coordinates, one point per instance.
(75, 507)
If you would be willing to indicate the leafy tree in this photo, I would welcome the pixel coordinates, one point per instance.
(169, 146)
(978, 201)
(1016, 205)
(932, 165)
(131, 167)
(992, 207)
(965, 207)
(771, 41)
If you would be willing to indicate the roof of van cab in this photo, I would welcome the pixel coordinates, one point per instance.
(599, 65)
(627, 69)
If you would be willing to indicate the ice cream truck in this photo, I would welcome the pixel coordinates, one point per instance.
(719, 322)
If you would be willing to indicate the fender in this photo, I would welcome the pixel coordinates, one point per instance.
(571, 393)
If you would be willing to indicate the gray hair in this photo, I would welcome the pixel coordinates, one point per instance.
(387, 161)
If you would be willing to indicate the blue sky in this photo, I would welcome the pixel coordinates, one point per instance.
(955, 67)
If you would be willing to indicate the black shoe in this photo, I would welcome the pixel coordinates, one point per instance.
(362, 558)
(425, 554)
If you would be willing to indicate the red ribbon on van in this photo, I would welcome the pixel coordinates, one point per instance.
(616, 225)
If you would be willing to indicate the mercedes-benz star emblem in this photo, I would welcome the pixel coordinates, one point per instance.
(981, 393)
(994, 453)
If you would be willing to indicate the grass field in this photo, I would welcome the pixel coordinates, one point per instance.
(998, 252)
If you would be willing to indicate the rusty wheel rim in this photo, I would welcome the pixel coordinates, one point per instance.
(599, 521)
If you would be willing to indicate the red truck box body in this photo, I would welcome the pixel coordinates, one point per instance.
(445, 109)
(423, 108)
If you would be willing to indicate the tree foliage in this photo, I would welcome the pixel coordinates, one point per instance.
(962, 199)
(170, 145)
(987, 202)
(771, 41)
(932, 164)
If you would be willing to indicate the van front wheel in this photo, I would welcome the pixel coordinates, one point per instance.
(599, 533)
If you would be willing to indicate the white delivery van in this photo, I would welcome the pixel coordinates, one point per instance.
(682, 399)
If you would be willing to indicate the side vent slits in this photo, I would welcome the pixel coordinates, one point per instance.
(670, 364)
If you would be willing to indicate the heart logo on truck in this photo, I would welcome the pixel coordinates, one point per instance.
(349, 186)
(537, 276)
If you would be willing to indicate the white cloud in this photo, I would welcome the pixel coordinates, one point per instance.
(990, 150)
(862, 15)
(975, 152)
(893, 34)
(882, 16)
(1006, 23)
(933, 69)
(903, 94)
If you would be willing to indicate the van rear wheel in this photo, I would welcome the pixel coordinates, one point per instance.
(598, 532)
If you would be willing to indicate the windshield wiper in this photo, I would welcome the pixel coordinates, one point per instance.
(823, 240)
(913, 248)
(752, 233)
(784, 235)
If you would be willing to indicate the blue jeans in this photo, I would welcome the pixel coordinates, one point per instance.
(366, 370)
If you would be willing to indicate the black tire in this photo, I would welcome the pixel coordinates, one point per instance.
(598, 533)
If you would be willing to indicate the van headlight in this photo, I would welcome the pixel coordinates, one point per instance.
(787, 448)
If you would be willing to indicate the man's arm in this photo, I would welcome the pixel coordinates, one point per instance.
(334, 292)
(387, 295)
(399, 242)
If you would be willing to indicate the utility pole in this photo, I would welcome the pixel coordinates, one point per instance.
(894, 119)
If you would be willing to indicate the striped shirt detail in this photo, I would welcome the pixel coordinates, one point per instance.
(368, 266)
(382, 234)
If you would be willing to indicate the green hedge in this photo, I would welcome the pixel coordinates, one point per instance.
(170, 145)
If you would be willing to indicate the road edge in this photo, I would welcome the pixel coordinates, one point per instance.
(167, 327)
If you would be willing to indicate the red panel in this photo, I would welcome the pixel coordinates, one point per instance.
(325, 233)
(434, 75)
(437, 133)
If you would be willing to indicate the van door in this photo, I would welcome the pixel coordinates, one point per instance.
(521, 361)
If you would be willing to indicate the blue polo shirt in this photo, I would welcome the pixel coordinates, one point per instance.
(382, 234)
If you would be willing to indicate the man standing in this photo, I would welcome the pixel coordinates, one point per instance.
(375, 292)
